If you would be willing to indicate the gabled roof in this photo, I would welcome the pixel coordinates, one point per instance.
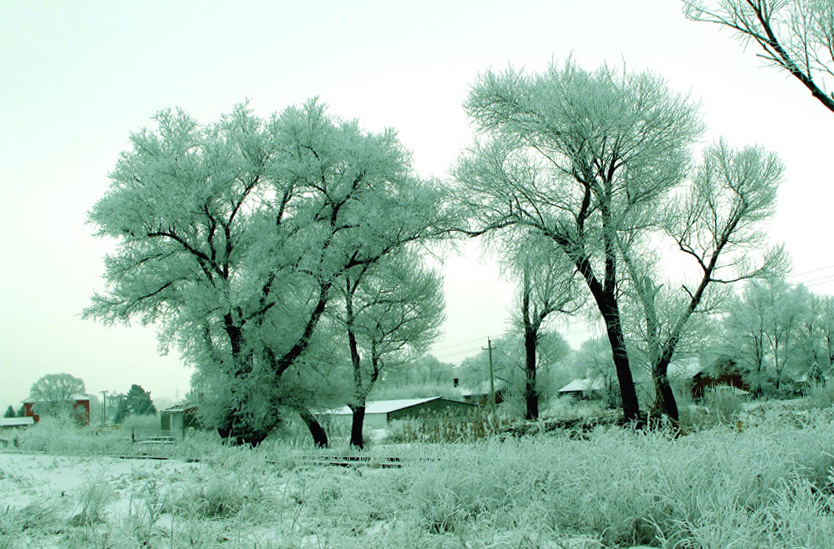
(185, 407)
(481, 388)
(383, 406)
(582, 385)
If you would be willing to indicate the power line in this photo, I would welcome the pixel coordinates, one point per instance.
(459, 344)
(465, 352)
(818, 280)
(794, 275)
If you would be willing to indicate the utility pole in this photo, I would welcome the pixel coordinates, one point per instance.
(103, 407)
(491, 376)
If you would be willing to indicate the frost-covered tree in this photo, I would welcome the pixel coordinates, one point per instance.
(776, 332)
(796, 36)
(9, 412)
(545, 286)
(55, 393)
(56, 388)
(231, 236)
(580, 158)
(821, 333)
(715, 221)
(600, 164)
(391, 312)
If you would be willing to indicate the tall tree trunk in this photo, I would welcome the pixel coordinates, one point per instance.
(356, 425)
(531, 394)
(316, 430)
(359, 394)
(235, 427)
(531, 328)
(606, 300)
(614, 330)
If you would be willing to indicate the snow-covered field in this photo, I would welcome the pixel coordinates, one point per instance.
(27, 479)
(763, 480)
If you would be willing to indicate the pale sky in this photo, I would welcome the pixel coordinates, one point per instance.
(77, 77)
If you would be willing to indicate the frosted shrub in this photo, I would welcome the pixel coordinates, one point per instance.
(65, 437)
(92, 503)
(820, 395)
(723, 403)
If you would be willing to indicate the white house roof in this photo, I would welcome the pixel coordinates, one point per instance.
(684, 368)
(73, 398)
(16, 421)
(180, 408)
(580, 385)
(383, 406)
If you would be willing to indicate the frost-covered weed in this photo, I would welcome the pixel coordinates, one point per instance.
(450, 427)
(92, 502)
(234, 483)
(723, 403)
(624, 488)
(820, 395)
(18, 525)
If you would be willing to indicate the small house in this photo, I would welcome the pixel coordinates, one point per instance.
(379, 413)
(78, 406)
(480, 395)
(179, 418)
(583, 388)
(701, 382)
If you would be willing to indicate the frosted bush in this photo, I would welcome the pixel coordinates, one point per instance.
(723, 402)
(820, 395)
(92, 502)
(65, 437)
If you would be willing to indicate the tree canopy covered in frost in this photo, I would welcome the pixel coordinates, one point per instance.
(600, 163)
(231, 236)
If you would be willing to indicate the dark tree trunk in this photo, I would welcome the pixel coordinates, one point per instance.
(318, 432)
(357, 422)
(606, 301)
(614, 331)
(531, 394)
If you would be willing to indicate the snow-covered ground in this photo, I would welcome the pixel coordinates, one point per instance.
(27, 479)
(762, 478)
